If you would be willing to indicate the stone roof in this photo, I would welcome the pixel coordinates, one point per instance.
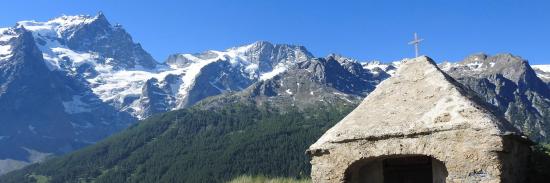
(419, 99)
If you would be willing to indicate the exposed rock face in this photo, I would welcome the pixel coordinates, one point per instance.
(112, 41)
(318, 81)
(510, 84)
(421, 111)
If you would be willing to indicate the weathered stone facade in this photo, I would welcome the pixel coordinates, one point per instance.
(421, 119)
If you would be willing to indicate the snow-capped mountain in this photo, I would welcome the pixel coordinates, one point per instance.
(88, 48)
(185, 79)
(76, 43)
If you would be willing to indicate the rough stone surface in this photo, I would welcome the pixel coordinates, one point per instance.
(422, 111)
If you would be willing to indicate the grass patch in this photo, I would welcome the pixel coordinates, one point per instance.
(264, 179)
(40, 178)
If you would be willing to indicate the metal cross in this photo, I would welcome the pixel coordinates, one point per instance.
(416, 42)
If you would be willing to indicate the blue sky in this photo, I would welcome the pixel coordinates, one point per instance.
(361, 29)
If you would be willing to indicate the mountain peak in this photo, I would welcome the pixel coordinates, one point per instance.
(100, 17)
(481, 65)
(64, 25)
(100, 14)
(501, 57)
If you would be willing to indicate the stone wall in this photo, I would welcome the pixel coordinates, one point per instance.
(515, 159)
(469, 155)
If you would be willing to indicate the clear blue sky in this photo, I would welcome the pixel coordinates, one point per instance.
(361, 29)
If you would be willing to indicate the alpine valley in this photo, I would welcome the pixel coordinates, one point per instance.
(72, 81)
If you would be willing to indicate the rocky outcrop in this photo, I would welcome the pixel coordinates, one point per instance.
(510, 84)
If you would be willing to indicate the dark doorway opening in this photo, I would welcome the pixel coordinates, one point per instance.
(412, 169)
(397, 169)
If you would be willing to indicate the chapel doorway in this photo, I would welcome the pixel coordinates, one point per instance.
(412, 169)
(397, 169)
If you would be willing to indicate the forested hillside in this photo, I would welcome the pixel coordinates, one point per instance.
(196, 145)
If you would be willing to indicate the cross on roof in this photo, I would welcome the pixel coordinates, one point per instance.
(416, 42)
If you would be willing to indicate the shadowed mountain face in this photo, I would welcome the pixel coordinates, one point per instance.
(47, 103)
(43, 111)
(510, 84)
(22, 94)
